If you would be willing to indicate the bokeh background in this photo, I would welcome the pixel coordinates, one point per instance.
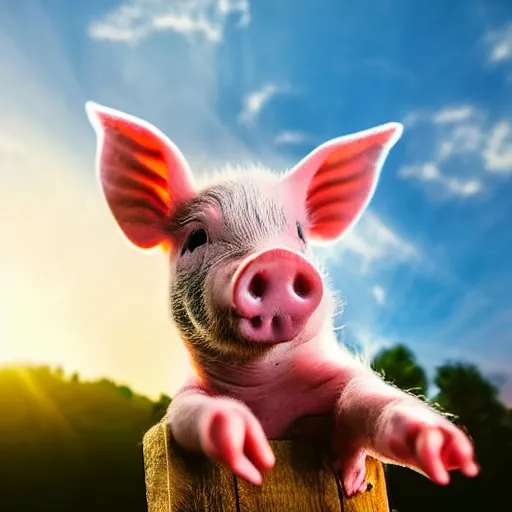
(89, 357)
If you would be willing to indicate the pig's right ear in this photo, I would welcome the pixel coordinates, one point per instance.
(143, 175)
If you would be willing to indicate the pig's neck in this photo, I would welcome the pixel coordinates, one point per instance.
(286, 363)
(291, 381)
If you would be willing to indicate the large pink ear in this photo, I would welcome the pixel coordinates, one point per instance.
(337, 180)
(144, 176)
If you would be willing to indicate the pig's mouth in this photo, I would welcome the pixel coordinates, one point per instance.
(272, 329)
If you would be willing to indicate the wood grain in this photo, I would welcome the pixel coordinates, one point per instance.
(155, 466)
(374, 500)
(193, 483)
(301, 481)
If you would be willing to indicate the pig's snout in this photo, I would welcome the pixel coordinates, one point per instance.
(274, 294)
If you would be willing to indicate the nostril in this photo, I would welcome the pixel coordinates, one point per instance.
(256, 322)
(302, 286)
(257, 286)
(276, 323)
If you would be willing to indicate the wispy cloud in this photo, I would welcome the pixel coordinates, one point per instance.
(134, 20)
(371, 242)
(379, 294)
(459, 139)
(498, 150)
(463, 139)
(430, 173)
(500, 44)
(453, 115)
(254, 102)
(290, 137)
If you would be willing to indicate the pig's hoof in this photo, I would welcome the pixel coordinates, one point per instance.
(232, 436)
(420, 438)
(353, 473)
(354, 481)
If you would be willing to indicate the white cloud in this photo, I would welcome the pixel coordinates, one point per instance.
(290, 137)
(412, 118)
(379, 294)
(461, 138)
(498, 151)
(371, 242)
(451, 115)
(135, 20)
(429, 172)
(181, 99)
(500, 42)
(465, 144)
(255, 101)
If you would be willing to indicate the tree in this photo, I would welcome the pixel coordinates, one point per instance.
(465, 392)
(125, 391)
(160, 407)
(398, 365)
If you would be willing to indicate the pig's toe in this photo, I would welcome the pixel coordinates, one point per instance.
(354, 480)
(234, 437)
(427, 442)
(353, 471)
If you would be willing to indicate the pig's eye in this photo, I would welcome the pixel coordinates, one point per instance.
(300, 233)
(197, 238)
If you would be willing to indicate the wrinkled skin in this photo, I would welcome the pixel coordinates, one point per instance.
(255, 312)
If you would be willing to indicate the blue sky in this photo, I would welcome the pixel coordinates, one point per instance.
(233, 81)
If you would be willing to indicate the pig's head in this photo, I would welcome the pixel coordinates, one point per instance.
(241, 276)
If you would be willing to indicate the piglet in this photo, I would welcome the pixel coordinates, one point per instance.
(254, 311)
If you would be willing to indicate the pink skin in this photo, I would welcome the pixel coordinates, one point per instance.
(278, 300)
(402, 430)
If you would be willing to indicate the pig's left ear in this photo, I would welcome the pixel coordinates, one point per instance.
(337, 180)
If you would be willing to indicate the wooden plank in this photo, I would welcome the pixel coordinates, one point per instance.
(155, 467)
(374, 500)
(301, 481)
(197, 484)
(298, 482)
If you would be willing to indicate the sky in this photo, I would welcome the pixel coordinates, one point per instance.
(237, 82)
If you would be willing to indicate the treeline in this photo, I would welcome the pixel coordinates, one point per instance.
(68, 445)
(473, 401)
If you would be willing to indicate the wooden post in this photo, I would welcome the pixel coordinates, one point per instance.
(301, 481)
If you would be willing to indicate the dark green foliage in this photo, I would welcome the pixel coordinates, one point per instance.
(67, 445)
(160, 407)
(473, 401)
(398, 365)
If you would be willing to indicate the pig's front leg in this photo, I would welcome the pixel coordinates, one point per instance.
(224, 429)
(374, 417)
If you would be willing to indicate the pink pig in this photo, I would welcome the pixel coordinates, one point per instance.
(255, 313)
